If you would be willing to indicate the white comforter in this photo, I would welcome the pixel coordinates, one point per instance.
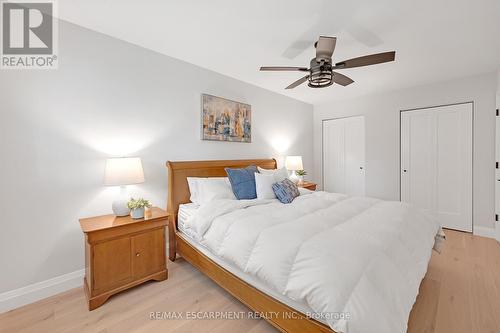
(357, 262)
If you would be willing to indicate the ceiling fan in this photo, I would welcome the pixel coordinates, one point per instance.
(321, 74)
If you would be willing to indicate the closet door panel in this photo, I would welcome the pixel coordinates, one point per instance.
(421, 157)
(405, 158)
(333, 156)
(355, 156)
(454, 167)
(448, 164)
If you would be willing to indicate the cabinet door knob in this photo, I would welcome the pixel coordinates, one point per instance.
(137, 254)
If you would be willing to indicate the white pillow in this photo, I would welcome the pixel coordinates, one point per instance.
(204, 190)
(279, 174)
(264, 186)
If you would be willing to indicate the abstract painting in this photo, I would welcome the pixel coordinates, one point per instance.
(225, 120)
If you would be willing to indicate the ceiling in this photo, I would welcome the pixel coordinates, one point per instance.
(435, 40)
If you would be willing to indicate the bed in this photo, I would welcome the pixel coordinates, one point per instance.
(383, 249)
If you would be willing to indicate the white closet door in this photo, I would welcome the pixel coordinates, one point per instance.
(344, 155)
(333, 156)
(355, 155)
(417, 156)
(436, 163)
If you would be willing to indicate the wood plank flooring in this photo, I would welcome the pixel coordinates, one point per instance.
(460, 293)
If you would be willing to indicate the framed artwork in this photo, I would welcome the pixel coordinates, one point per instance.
(225, 120)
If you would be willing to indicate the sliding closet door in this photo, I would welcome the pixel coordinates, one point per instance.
(344, 155)
(436, 163)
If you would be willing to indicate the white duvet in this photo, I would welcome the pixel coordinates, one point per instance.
(357, 262)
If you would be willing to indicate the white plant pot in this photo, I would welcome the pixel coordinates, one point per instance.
(137, 213)
(301, 179)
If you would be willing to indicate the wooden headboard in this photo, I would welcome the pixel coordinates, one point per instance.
(178, 189)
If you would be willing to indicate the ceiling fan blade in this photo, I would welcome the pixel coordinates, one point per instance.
(284, 68)
(342, 79)
(366, 60)
(298, 82)
(325, 47)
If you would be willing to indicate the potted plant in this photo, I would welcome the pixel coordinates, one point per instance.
(137, 207)
(300, 175)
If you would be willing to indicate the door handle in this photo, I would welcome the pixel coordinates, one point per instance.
(404, 170)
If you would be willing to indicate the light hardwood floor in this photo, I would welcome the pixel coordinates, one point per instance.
(460, 293)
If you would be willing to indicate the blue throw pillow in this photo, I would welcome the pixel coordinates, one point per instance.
(243, 182)
(286, 191)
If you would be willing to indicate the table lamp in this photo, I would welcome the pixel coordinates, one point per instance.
(294, 163)
(123, 171)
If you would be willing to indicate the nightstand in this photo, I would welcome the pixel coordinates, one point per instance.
(121, 252)
(308, 185)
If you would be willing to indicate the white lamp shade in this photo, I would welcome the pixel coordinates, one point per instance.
(294, 163)
(123, 171)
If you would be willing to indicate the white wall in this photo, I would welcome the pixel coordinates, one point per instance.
(382, 135)
(110, 98)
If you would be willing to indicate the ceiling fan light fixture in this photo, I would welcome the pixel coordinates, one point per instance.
(321, 76)
(319, 82)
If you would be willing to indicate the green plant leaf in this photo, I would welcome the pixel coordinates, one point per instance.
(139, 203)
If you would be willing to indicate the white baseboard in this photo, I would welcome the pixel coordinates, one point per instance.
(34, 292)
(485, 232)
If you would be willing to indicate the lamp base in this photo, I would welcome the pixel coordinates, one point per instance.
(294, 178)
(120, 207)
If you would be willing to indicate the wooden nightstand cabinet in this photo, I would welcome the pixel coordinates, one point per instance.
(121, 252)
(308, 185)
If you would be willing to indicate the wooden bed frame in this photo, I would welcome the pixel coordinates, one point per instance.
(278, 314)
